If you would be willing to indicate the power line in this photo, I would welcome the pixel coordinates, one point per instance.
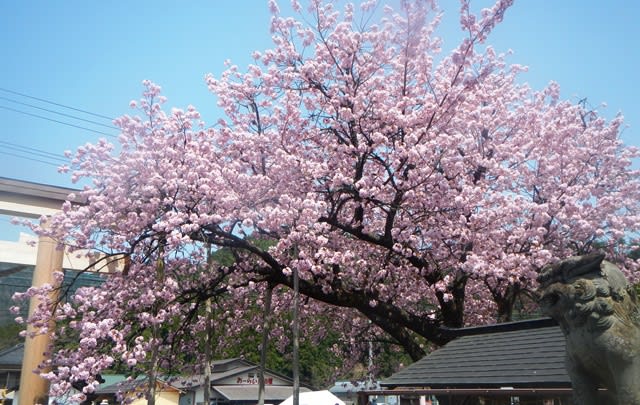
(54, 103)
(53, 158)
(57, 121)
(27, 153)
(34, 151)
(57, 112)
(29, 158)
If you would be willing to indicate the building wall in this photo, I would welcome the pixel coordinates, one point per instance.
(188, 398)
(251, 378)
(169, 397)
(199, 396)
(9, 379)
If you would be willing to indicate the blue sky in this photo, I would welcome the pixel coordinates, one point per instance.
(93, 55)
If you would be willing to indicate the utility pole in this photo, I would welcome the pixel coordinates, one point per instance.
(266, 327)
(296, 338)
(208, 348)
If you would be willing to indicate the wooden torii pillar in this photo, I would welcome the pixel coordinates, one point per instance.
(32, 200)
(33, 388)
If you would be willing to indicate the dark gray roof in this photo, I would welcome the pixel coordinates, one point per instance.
(225, 364)
(222, 369)
(517, 358)
(133, 385)
(250, 392)
(11, 357)
(198, 379)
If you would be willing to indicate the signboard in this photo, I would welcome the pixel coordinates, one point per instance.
(251, 379)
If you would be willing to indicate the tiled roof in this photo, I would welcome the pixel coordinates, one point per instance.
(11, 357)
(517, 358)
(129, 386)
(222, 369)
(250, 392)
(197, 380)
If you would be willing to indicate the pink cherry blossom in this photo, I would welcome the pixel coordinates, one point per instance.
(409, 190)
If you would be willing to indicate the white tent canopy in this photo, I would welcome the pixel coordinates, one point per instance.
(315, 398)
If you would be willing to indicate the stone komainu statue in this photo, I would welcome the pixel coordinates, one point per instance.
(597, 310)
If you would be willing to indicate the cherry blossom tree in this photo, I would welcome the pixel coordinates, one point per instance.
(411, 190)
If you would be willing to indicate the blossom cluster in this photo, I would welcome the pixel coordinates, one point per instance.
(404, 187)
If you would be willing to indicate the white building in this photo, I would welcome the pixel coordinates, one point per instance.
(235, 382)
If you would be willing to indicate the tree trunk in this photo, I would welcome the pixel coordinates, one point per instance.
(266, 326)
(207, 353)
(296, 342)
(155, 332)
(453, 308)
(506, 302)
(151, 391)
(208, 361)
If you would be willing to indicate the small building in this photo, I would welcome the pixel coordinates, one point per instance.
(348, 392)
(235, 382)
(512, 363)
(10, 366)
(133, 393)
